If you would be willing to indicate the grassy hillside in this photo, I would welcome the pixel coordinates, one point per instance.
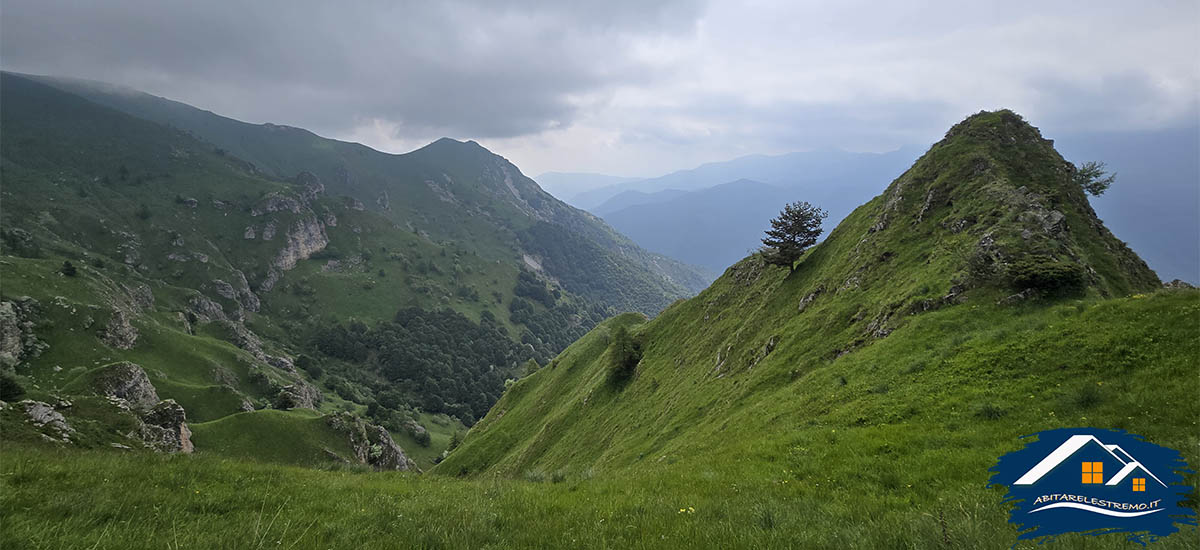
(857, 400)
(988, 221)
(887, 447)
(454, 191)
(887, 371)
(233, 270)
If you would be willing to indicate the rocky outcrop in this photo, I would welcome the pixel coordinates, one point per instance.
(119, 333)
(280, 362)
(1178, 284)
(245, 296)
(224, 289)
(809, 299)
(276, 202)
(305, 238)
(18, 342)
(240, 336)
(415, 429)
(162, 424)
(310, 186)
(371, 444)
(141, 297)
(127, 382)
(164, 428)
(44, 416)
(201, 308)
(298, 396)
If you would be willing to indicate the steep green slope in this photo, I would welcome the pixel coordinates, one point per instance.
(973, 284)
(454, 191)
(229, 284)
(885, 448)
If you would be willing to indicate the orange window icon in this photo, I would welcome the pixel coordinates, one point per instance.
(1093, 472)
(1139, 484)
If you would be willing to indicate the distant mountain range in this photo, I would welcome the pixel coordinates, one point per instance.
(569, 184)
(810, 168)
(1154, 205)
(712, 228)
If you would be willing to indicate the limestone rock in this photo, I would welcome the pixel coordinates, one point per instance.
(812, 296)
(164, 428)
(305, 238)
(276, 202)
(282, 363)
(310, 186)
(371, 444)
(224, 289)
(128, 382)
(298, 396)
(18, 342)
(43, 414)
(141, 297)
(240, 336)
(204, 309)
(119, 333)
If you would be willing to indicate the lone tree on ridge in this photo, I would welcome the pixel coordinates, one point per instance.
(796, 229)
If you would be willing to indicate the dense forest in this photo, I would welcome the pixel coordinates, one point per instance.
(439, 361)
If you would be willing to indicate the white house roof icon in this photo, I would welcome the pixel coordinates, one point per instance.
(1073, 444)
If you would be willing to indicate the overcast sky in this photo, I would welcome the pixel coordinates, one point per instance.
(631, 87)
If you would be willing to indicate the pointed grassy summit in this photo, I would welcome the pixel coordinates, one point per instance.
(978, 280)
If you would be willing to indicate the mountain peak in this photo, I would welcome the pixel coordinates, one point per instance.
(449, 143)
(997, 191)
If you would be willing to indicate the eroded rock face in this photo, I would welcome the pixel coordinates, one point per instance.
(240, 336)
(119, 333)
(310, 186)
(371, 444)
(280, 362)
(304, 238)
(224, 289)
(204, 309)
(43, 415)
(128, 382)
(298, 396)
(165, 429)
(141, 296)
(276, 203)
(18, 342)
(245, 296)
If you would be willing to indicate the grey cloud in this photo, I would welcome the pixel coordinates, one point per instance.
(877, 125)
(474, 69)
(1123, 100)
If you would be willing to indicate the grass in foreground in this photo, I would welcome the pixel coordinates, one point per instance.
(90, 499)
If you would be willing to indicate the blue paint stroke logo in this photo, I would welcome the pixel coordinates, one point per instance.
(1094, 481)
